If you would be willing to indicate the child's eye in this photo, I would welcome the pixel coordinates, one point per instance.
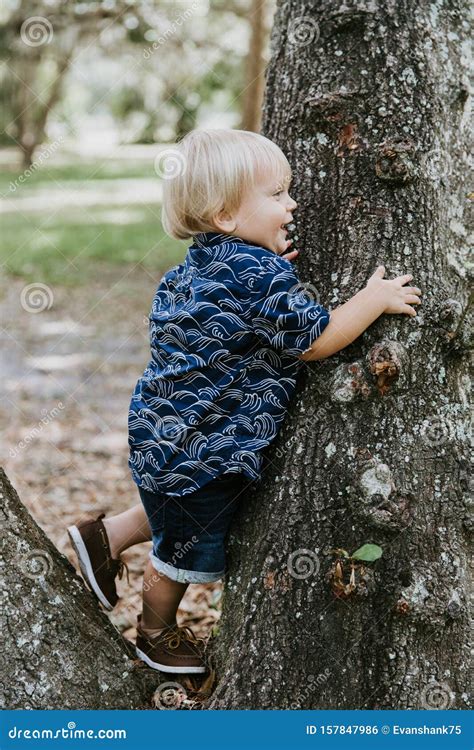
(278, 193)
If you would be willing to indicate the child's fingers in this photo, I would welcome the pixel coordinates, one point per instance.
(290, 256)
(406, 277)
(413, 299)
(409, 310)
(412, 290)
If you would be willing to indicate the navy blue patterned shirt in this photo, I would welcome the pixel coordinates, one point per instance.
(226, 329)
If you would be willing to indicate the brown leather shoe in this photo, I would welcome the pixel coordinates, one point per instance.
(99, 569)
(176, 649)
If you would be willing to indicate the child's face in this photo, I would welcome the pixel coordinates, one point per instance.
(263, 212)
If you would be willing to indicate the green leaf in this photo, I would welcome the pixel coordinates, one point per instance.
(368, 553)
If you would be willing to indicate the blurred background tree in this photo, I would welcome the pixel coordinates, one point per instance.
(145, 71)
(90, 93)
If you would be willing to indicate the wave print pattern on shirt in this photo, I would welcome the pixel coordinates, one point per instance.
(225, 338)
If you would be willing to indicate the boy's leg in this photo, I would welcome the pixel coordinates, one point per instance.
(160, 642)
(126, 529)
(161, 598)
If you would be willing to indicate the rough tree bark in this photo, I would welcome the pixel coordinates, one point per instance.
(369, 101)
(58, 649)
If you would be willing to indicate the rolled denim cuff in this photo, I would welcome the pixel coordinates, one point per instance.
(181, 575)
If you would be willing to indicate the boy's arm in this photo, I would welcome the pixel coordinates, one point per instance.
(348, 321)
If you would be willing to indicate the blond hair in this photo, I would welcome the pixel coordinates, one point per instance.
(211, 170)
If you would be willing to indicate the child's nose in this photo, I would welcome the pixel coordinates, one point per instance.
(293, 205)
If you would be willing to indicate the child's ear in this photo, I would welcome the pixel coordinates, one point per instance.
(224, 221)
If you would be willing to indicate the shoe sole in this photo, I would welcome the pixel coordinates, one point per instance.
(166, 667)
(85, 564)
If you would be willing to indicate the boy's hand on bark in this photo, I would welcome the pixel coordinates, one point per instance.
(289, 254)
(395, 297)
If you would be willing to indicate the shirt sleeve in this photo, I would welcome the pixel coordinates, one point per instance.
(285, 313)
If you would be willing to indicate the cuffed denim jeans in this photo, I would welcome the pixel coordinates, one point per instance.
(189, 532)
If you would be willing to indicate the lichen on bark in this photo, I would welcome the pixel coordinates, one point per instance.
(59, 650)
(370, 106)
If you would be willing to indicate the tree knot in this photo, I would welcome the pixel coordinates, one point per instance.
(385, 363)
(395, 162)
(349, 382)
(380, 502)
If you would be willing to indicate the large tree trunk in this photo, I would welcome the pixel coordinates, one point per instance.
(369, 102)
(58, 649)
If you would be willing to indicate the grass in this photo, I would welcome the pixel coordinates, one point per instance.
(64, 247)
(76, 170)
(70, 245)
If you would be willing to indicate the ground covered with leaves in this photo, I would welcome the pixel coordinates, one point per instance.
(68, 374)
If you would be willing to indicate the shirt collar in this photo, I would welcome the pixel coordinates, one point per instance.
(209, 239)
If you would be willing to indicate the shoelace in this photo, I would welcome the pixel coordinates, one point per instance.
(174, 636)
(116, 566)
(121, 568)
